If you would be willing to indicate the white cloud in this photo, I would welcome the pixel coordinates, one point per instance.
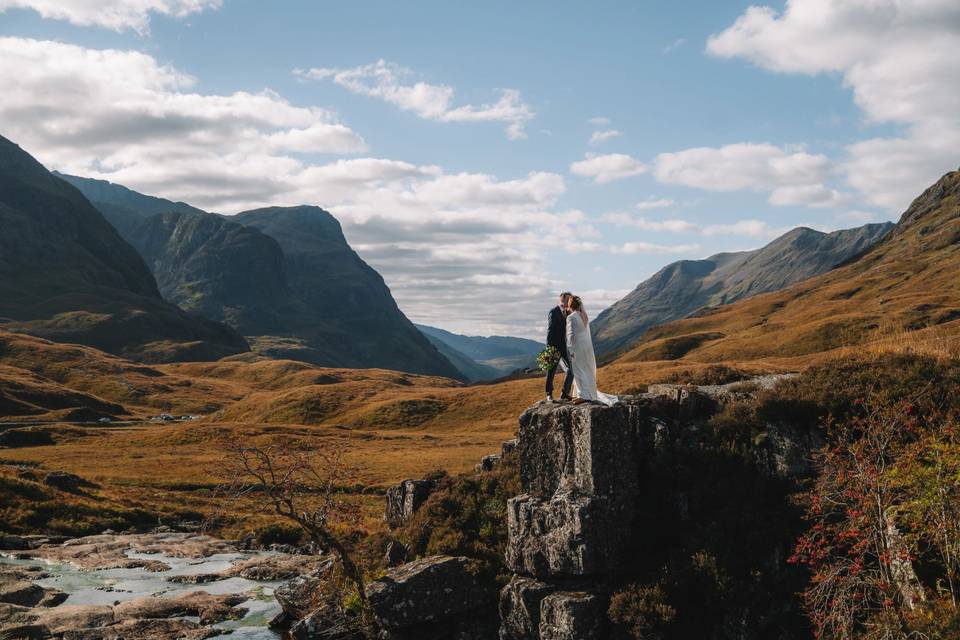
(599, 121)
(390, 82)
(118, 15)
(791, 176)
(655, 203)
(673, 46)
(859, 217)
(808, 195)
(758, 167)
(596, 300)
(747, 228)
(649, 247)
(898, 57)
(750, 228)
(99, 111)
(599, 137)
(607, 168)
(671, 225)
(122, 116)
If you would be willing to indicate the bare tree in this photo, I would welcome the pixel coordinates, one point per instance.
(303, 487)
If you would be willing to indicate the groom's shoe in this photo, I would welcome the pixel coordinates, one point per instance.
(550, 399)
(566, 398)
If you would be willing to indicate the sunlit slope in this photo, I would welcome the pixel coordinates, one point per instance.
(910, 282)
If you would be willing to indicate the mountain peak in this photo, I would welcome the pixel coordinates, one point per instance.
(930, 201)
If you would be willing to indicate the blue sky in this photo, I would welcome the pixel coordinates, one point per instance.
(453, 140)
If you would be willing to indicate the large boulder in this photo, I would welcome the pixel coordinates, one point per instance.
(404, 499)
(572, 615)
(429, 591)
(520, 608)
(296, 598)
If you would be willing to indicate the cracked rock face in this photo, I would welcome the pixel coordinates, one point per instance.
(520, 608)
(428, 591)
(571, 616)
(404, 499)
(580, 470)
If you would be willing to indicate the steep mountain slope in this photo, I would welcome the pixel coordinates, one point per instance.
(219, 269)
(123, 207)
(683, 287)
(355, 320)
(284, 277)
(505, 354)
(472, 370)
(65, 274)
(909, 282)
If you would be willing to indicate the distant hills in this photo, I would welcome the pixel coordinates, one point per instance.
(685, 286)
(484, 357)
(284, 277)
(905, 288)
(67, 275)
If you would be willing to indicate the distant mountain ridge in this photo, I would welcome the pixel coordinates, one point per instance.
(67, 275)
(685, 286)
(500, 354)
(285, 277)
(904, 288)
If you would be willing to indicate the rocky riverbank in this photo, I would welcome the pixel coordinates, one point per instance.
(141, 587)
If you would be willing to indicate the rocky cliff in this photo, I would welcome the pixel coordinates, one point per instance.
(635, 499)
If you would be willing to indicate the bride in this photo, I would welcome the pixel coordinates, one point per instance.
(583, 362)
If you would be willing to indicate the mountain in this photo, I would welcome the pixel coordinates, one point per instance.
(355, 321)
(67, 275)
(472, 370)
(123, 207)
(285, 277)
(219, 269)
(503, 354)
(683, 287)
(905, 288)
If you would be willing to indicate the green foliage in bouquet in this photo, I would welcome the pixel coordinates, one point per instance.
(548, 358)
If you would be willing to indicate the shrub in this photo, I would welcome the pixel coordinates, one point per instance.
(280, 534)
(466, 515)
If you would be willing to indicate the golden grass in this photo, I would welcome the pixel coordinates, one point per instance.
(903, 296)
(909, 283)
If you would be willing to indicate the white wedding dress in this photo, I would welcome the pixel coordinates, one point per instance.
(583, 361)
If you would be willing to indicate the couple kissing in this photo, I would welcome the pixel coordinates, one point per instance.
(568, 331)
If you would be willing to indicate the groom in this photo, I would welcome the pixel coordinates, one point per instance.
(557, 338)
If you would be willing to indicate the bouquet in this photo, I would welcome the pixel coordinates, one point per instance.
(548, 358)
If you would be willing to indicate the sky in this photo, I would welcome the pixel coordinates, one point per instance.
(485, 156)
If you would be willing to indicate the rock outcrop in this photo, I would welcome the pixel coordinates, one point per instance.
(595, 480)
(404, 499)
(580, 470)
(426, 599)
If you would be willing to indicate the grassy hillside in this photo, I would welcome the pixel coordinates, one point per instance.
(905, 290)
(682, 287)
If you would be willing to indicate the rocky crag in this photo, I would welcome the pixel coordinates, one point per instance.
(641, 498)
(605, 501)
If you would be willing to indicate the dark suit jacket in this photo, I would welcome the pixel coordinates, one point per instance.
(557, 330)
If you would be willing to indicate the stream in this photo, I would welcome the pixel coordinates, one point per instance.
(110, 586)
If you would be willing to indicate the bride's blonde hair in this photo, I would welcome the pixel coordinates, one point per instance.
(576, 303)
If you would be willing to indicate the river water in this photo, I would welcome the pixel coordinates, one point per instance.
(109, 586)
